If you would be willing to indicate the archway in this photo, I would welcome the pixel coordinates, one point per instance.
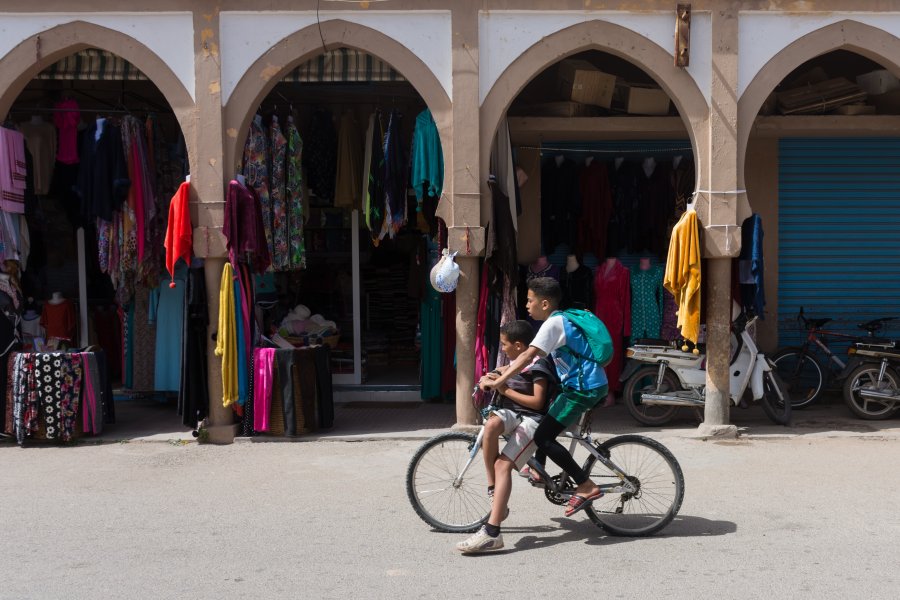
(105, 152)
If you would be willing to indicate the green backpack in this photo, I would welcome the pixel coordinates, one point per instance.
(595, 333)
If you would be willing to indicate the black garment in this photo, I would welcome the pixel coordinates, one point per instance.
(376, 206)
(560, 203)
(655, 207)
(193, 397)
(285, 376)
(577, 288)
(624, 180)
(500, 251)
(106, 393)
(395, 169)
(324, 394)
(545, 440)
(524, 384)
(320, 157)
(103, 182)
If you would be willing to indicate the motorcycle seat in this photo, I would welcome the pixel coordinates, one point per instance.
(651, 342)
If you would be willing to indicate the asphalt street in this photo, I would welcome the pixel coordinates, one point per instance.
(794, 517)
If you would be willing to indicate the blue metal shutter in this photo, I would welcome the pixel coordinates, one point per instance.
(838, 232)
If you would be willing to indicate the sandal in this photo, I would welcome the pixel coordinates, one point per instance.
(577, 502)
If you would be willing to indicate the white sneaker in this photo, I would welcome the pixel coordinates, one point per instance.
(481, 542)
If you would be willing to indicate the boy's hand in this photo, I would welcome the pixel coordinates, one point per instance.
(486, 381)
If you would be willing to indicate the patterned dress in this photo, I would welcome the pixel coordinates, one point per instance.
(256, 174)
(294, 197)
(278, 151)
(646, 302)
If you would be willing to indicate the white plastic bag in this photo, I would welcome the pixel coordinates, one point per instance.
(445, 274)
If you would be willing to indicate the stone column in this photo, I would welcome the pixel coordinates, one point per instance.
(208, 199)
(718, 210)
(466, 236)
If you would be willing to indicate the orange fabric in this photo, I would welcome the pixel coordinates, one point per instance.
(58, 320)
(179, 233)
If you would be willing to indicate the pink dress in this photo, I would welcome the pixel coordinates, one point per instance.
(66, 120)
(612, 293)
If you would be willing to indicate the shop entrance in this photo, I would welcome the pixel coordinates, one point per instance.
(83, 252)
(354, 276)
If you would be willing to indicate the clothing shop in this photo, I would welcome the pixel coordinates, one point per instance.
(343, 165)
(107, 333)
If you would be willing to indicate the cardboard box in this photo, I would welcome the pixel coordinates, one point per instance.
(855, 109)
(561, 109)
(887, 103)
(647, 101)
(878, 82)
(580, 81)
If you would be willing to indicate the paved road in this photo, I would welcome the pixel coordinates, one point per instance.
(763, 518)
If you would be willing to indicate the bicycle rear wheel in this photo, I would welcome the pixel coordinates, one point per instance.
(436, 496)
(656, 473)
(802, 374)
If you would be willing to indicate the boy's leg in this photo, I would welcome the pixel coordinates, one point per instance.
(490, 445)
(503, 468)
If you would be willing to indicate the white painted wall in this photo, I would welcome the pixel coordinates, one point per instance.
(505, 34)
(168, 34)
(764, 34)
(246, 36)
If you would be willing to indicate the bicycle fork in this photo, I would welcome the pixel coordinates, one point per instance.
(473, 452)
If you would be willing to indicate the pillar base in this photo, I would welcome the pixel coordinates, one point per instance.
(719, 432)
(218, 434)
(466, 428)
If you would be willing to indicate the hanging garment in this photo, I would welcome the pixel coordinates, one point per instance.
(481, 349)
(40, 139)
(395, 170)
(427, 177)
(646, 302)
(624, 182)
(193, 397)
(226, 337)
(655, 206)
(320, 157)
(500, 246)
(243, 228)
(167, 312)
(560, 203)
(241, 335)
(374, 206)
(143, 355)
(502, 166)
(294, 198)
(349, 157)
(612, 293)
(596, 209)
(682, 275)
(683, 177)
(13, 171)
(103, 182)
(179, 233)
(277, 182)
(670, 329)
(577, 288)
(256, 175)
(66, 118)
(432, 332)
(264, 386)
(58, 320)
(92, 397)
(751, 266)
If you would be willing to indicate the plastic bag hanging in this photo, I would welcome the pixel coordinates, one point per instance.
(445, 274)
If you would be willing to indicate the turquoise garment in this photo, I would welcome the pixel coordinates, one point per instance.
(243, 375)
(167, 311)
(427, 158)
(646, 302)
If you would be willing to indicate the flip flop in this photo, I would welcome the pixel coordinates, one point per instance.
(577, 502)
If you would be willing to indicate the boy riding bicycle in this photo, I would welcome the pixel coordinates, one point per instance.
(582, 379)
(523, 404)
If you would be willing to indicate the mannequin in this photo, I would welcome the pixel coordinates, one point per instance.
(559, 158)
(572, 263)
(58, 317)
(56, 298)
(588, 161)
(676, 161)
(577, 283)
(612, 303)
(649, 166)
(99, 133)
(540, 264)
(647, 301)
(644, 263)
(618, 162)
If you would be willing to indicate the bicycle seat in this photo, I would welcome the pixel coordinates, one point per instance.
(817, 323)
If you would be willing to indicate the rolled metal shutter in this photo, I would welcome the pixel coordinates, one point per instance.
(838, 232)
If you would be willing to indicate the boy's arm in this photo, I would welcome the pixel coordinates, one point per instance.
(515, 367)
(535, 402)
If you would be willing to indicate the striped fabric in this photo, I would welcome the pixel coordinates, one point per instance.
(93, 65)
(335, 66)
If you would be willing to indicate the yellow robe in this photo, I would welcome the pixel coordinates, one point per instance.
(682, 276)
(226, 339)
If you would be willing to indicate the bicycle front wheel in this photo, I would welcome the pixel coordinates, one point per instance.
(653, 470)
(436, 491)
(801, 374)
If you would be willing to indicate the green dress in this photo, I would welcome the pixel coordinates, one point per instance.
(646, 302)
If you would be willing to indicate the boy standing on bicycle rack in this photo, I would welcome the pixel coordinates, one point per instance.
(524, 403)
(582, 379)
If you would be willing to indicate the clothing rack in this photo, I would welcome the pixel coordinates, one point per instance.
(666, 151)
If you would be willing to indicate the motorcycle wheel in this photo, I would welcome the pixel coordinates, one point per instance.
(643, 381)
(802, 374)
(865, 408)
(776, 400)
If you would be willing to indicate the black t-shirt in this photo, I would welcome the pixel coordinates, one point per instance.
(523, 383)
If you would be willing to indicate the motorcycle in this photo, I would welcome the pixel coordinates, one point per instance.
(660, 378)
(872, 389)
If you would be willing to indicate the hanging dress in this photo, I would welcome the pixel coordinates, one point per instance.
(294, 197)
(256, 175)
(612, 293)
(277, 180)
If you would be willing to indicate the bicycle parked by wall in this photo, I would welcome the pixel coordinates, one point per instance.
(641, 480)
(809, 369)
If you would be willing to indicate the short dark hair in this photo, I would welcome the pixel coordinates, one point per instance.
(518, 331)
(546, 288)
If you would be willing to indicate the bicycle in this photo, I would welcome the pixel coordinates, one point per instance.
(803, 372)
(641, 480)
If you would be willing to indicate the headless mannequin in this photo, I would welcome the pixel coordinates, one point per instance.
(559, 158)
(100, 123)
(619, 160)
(645, 263)
(609, 264)
(588, 161)
(240, 179)
(37, 119)
(649, 166)
(676, 161)
(56, 298)
(572, 263)
(540, 264)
